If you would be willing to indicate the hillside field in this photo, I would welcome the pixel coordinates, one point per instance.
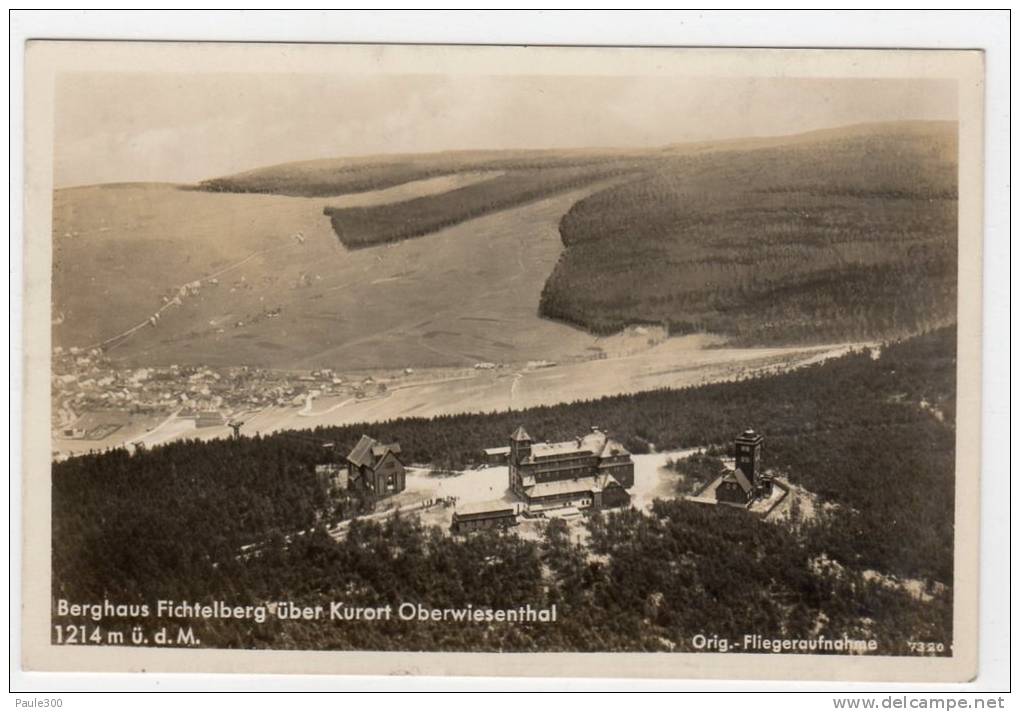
(467, 294)
(847, 235)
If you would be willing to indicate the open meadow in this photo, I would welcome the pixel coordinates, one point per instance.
(277, 289)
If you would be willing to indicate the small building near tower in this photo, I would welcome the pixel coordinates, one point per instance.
(734, 488)
(373, 466)
(747, 481)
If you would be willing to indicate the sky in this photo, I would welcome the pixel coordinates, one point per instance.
(182, 128)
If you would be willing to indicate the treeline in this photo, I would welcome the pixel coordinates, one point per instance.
(366, 226)
(650, 582)
(332, 177)
(850, 237)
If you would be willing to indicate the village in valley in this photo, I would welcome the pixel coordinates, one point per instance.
(522, 484)
(95, 398)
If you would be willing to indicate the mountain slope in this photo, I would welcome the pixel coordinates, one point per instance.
(835, 234)
(844, 234)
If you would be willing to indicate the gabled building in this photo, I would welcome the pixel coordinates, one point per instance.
(493, 456)
(734, 488)
(376, 467)
(590, 471)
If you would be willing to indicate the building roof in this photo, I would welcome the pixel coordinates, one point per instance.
(595, 483)
(612, 448)
(362, 452)
(596, 443)
(492, 506)
(549, 489)
(505, 450)
(520, 434)
(370, 452)
(750, 436)
(562, 448)
(607, 481)
(566, 512)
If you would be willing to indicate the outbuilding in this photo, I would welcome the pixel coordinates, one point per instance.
(472, 516)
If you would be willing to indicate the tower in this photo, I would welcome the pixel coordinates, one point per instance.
(520, 450)
(748, 449)
(520, 445)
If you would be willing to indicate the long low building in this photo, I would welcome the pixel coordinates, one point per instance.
(597, 491)
(495, 455)
(494, 514)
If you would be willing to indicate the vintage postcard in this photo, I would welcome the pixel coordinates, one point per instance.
(512, 361)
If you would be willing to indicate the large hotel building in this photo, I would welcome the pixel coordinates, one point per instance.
(590, 471)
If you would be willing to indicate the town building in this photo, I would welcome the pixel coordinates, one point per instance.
(593, 471)
(747, 481)
(473, 516)
(373, 466)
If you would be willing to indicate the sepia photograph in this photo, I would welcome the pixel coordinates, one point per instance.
(553, 353)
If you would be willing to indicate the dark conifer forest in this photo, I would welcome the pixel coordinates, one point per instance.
(846, 236)
(364, 227)
(873, 435)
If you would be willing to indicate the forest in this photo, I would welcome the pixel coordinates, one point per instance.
(845, 234)
(331, 177)
(849, 236)
(696, 471)
(872, 433)
(366, 226)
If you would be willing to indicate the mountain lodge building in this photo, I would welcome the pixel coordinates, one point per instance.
(591, 471)
(376, 467)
